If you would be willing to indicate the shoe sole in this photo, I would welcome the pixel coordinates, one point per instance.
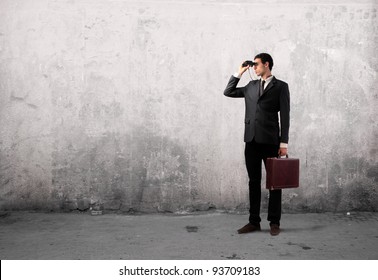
(249, 231)
(275, 234)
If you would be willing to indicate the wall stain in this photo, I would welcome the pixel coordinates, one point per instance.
(139, 171)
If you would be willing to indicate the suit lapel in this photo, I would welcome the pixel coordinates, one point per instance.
(270, 85)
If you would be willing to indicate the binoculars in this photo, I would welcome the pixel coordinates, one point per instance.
(248, 62)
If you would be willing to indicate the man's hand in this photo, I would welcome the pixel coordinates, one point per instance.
(282, 152)
(243, 69)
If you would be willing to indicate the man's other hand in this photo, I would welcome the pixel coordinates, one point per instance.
(282, 152)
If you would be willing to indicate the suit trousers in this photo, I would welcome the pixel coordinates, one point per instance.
(255, 153)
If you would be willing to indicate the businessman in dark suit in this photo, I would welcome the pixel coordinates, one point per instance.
(265, 134)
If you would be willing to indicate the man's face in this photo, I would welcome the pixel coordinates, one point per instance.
(260, 68)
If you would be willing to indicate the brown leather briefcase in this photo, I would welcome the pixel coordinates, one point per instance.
(282, 173)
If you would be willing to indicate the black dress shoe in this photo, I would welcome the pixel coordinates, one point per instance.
(274, 229)
(249, 228)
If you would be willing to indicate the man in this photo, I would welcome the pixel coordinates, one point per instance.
(264, 135)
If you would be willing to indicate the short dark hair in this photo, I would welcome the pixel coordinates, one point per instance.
(265, 57)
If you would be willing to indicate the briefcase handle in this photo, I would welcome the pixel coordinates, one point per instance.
(287, 156)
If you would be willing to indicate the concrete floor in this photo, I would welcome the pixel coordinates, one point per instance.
(209, 235)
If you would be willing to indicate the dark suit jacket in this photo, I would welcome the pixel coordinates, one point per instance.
(261, 113)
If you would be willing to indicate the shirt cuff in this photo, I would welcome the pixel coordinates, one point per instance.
(283, 145)
(236, 75)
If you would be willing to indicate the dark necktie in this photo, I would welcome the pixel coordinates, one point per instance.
(262, 87)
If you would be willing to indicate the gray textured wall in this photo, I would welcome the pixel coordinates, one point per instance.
(121, 102)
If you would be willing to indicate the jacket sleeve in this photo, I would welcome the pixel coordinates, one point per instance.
(231, 89)
(285, 113)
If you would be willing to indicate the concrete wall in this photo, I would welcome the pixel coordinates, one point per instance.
(121, 103)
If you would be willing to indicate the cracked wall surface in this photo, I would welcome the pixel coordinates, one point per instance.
(120, 103)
